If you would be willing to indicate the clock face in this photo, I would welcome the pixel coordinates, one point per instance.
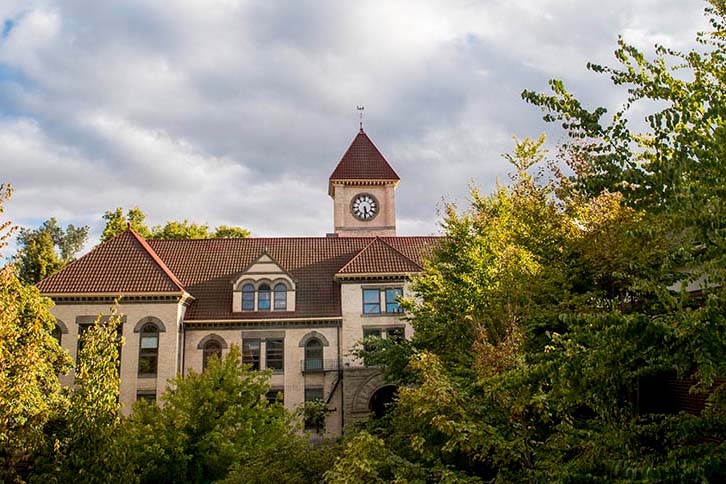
(364, 207)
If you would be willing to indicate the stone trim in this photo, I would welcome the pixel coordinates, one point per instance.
(62, 326)
(313, 334)
(212, 337)
(263, 335)
(150, 319)
(90, 319)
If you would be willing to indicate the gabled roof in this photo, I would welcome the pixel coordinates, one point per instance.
(363, 161)
(378, 257)
(125, 264)
(204, 268)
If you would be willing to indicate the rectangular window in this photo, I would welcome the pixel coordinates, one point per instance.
(148, 395)
(371, 301)
(275, 354)
(368, 332)
(251, 353)
(263, 299)
(394, 333)
(148, 354)
(313, 394)
(392, 295)
(248, 300)
(275, 395)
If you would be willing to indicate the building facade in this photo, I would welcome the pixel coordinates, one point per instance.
(297, 306)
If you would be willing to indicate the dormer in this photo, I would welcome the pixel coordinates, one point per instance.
(263, 287)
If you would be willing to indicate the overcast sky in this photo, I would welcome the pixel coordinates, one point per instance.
(236, 112)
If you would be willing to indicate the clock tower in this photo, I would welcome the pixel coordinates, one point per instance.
(363, 187)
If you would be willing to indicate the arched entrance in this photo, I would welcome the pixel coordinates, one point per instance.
(380, 400)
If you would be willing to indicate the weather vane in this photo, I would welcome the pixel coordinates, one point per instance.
(360, 114)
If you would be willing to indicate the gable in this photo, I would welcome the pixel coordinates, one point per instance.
(122, 265)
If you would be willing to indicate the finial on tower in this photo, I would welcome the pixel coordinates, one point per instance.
(360, 114)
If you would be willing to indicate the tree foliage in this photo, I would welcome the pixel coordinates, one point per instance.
(117, 222)
(80, 441)
(553, 299)
(209, 423)
(47, 249)
(30, 360)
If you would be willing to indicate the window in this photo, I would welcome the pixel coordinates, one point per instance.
(280, 297)
(371, 332)
(312, 394)
(371, 301)
(211, 349)
(392, 295)
(275, 395)
(263, 298)
(248, 297)
(275, 354)
(56, 333)
(394, 333)
(148, 350)
(312, 422)
(251, 353)
(147, 395)
(313, 355)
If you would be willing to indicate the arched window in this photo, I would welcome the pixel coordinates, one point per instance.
(56, 333)
(263, 298)
(248, 297)
(314, 355)
(211, 348)
(148, 350)
(280, 297)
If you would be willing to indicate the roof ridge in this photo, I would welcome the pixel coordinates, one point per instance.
(302, 237)
(399, 253)
(155, 257)
(358, 254)
(368, 246)
(362, 161)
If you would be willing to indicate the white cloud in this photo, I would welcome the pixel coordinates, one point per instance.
(235, 112)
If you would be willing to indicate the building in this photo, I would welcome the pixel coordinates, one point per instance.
(295, 305)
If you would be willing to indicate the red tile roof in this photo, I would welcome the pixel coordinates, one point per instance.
(378, 257)
(207, 267)
(363, 161)
(122, 265)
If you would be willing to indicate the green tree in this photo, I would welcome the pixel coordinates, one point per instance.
(180, 230)
(30, 361)
(81, 442)
(47, 249)
(210, 423)
(117, 222)
(227, 232)
(534, 322)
